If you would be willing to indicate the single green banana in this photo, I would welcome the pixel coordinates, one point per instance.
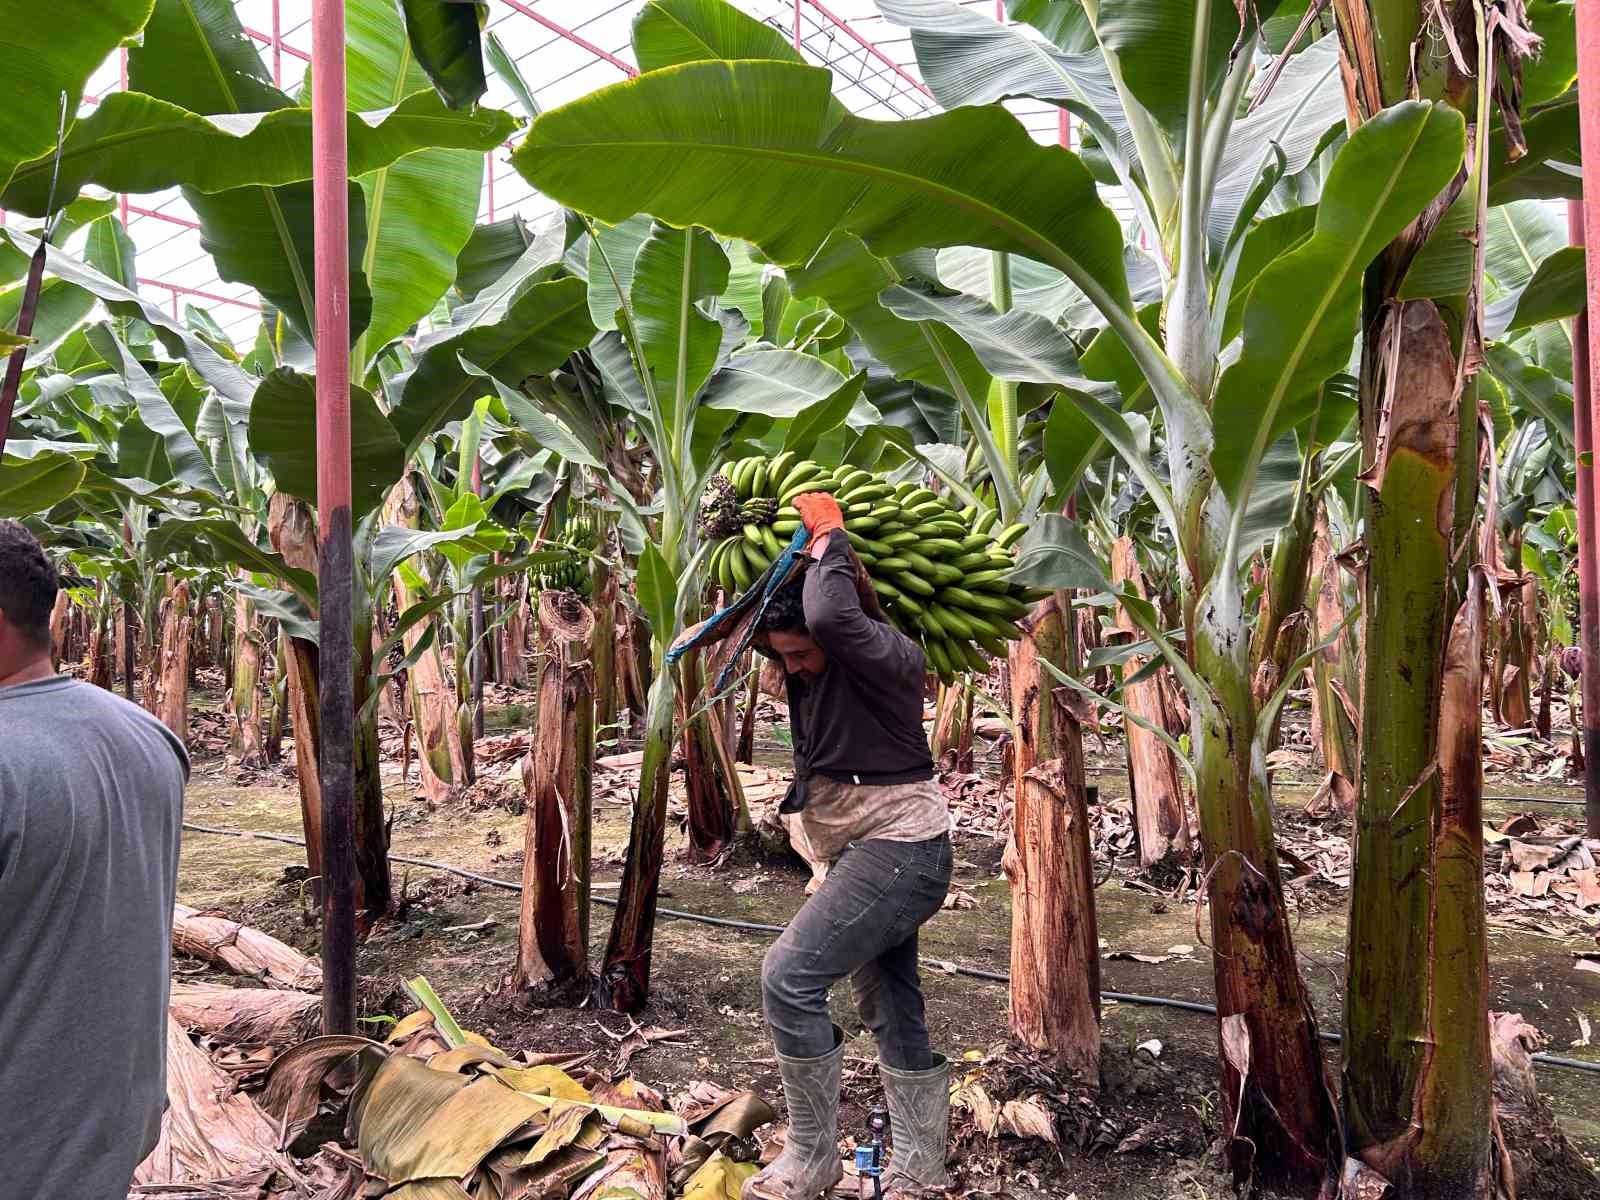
(779, 467)
(953, 622)
(742, 578)
(911, 584)
(1009, 536)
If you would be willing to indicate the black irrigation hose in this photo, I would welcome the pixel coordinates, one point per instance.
(1195, 1006)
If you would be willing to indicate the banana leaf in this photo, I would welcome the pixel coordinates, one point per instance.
(264, 237)
(446, 37)
(669, 32)
(1301, 318)
(675, 270)
(283, 431)
(196, 55)
(546, 323)
(36, 484)
(758, 150)
(52, 52)
(420, 208)
(138, 143)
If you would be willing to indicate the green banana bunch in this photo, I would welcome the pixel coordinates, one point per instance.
(574, 574)
(939, 572)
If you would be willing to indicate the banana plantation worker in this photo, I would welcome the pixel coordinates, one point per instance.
(91, 801)
(865, 790)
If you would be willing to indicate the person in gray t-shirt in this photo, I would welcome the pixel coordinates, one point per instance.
(91, 805)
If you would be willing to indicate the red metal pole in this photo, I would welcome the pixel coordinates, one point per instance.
(797, 38)
(1584, 392)
(330, 203)
(277, 45)
(1588, 554)
(1064, 128)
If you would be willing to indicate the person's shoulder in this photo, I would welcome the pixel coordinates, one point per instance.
(77, 701)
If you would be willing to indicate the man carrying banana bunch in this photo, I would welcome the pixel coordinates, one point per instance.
(866, 797)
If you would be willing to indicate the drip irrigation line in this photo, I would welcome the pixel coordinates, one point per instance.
(947, 968)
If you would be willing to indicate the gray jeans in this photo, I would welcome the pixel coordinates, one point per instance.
(863, 923)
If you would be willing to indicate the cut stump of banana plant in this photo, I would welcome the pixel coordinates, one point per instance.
(1417, 1097)
(171, 697)
(432, 699)
(291, 527)
(553, 929)
(1159, 819)
(1055, 952)
(1335, 677)
(711, 780)
(245, 698)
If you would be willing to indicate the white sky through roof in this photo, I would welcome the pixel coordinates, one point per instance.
(874, 67)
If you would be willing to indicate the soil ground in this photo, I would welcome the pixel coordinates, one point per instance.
(1145, 1136)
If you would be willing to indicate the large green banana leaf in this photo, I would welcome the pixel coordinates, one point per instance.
(675, 271)
(1535, 390)
(1555, 70)
(1152, 44)
(667, 33)
(109, 250)
(851, 279)
(420, 208)
(1550, 168)
(221, 374)
(223, 542)
(1064, 22)
(446, 38)
(196, 55)
(37, 483)
(966, 57)
(138, 143)
(1517, 238)
(50, 51)
(783, 384)
(612, 252)
(1557, 290)
(264, 237)
(1301, 318)
(283, 430)
(62, 307)
(1306, 101)
(545, 324)
(758, 150)
(490, 251)
(188, 461)
(1017, 346)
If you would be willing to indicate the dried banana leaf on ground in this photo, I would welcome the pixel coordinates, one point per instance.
(210, 1132)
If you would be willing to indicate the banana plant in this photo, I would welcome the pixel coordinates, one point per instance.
(795, 170)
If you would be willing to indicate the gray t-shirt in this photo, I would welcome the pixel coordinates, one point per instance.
(91, 807)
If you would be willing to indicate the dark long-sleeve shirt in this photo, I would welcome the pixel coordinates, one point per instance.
(860, 721)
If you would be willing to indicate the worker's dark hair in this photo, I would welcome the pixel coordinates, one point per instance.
(786, 611)
(28, 583)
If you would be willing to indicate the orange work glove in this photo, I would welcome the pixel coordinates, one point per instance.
(821, 514)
